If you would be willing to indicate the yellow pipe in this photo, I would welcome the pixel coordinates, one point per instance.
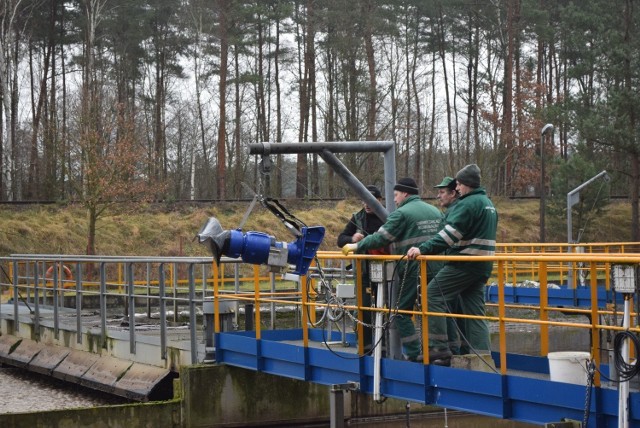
(216, 295)
(256, 290)
(595, 339)
(502, 323)
(359, 291)
(425, 320)
(544, 315)
(305, 313)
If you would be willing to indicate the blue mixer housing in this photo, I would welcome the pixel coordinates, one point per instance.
(261, 248)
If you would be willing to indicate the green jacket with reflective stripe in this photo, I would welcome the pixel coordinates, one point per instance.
(413, 222)
(470, 229)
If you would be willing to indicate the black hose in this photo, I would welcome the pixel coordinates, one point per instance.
(626, 371)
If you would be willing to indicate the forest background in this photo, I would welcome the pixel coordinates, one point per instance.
(109, 102)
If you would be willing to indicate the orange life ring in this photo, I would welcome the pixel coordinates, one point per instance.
(65, 270)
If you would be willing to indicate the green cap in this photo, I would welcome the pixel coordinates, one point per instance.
(446, 182)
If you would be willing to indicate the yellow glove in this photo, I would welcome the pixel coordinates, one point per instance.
(349, 248)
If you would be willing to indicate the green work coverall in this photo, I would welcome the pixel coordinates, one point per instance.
(454, 325)
(414, 221)
(470, 229)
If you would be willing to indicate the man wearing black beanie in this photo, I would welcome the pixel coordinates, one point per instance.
(363, 223)
(412, 222)
(469, 230)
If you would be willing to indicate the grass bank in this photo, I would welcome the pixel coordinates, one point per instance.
(169, 229)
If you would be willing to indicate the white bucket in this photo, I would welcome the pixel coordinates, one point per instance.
(568, 367)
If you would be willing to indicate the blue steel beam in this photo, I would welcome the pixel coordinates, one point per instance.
(562, 297)
(527, 396)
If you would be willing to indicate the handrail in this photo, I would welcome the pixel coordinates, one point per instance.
(173, 282)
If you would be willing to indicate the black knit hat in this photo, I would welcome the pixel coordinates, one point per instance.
(374, 191)
(469, 175)
(407, 185)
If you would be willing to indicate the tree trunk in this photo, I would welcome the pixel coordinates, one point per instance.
(223, 10)
(276, 65)
(368, 12)
(632, 122)
(506, 137)
(237, 132)
(443, 58)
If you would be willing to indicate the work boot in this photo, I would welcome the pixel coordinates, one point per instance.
(440, 357)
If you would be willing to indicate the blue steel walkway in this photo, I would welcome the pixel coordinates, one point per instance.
(525, 394)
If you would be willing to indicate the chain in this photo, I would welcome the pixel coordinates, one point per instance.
(590, 368)
(331, 298)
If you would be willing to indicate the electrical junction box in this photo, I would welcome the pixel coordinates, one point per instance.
(376, 271)
(624, 278)
(346, 291)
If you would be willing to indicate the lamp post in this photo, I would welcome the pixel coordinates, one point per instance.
(547, 129)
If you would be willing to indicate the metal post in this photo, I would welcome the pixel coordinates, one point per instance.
(377, 342)
(272, 305)
(192, 313)
(163, 311)
(248, 317)
(132, 308)
(573, 197)
(548, 128)
(336, 402)
(79, 303)
(57, 268)
(103, 305)
(16, 293)
(236, 289)
(623, 391)
(148, 290)
(336, 406)
(36, 298)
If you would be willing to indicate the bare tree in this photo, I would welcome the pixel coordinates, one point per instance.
(223, 7)
(8, 87)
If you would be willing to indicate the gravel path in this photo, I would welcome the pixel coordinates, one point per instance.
(22, 391)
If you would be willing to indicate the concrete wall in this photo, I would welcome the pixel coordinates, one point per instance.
(117, 342)
(221, 395)
(147, 415)
(218, 396)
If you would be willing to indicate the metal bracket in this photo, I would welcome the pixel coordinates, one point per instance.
(348, 386)
(565, 423)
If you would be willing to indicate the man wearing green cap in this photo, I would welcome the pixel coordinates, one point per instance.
(447, 193)
(447, 197)
(470, 229)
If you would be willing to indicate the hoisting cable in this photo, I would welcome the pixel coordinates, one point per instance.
(291, 222)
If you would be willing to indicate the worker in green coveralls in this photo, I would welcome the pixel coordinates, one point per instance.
(414, 221)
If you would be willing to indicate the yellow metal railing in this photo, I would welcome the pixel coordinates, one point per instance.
(514, 263)
(597, 265)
